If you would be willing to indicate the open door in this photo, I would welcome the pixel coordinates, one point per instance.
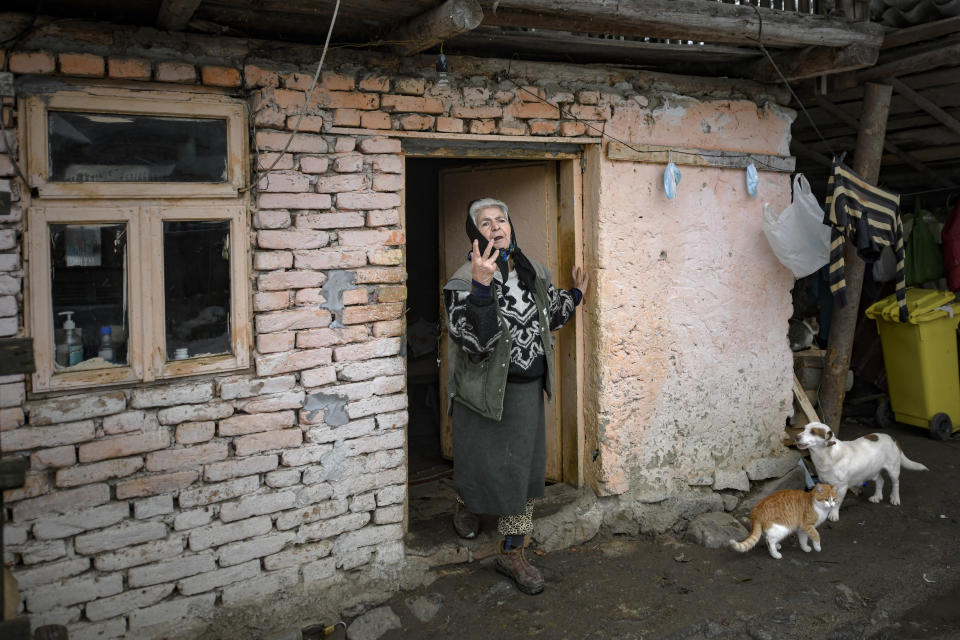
(530, 191)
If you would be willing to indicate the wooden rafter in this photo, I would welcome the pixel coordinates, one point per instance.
(175, 14)
(451, 18)
(948, 54)
(921, 33)
(686, 20)
(927, 105)
(816, 61)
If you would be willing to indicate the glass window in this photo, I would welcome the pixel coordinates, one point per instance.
(196, 277)
(103, 147)
(88, 271)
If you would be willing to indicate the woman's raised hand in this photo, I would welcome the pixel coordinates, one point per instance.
(483, 266)
(581, 279)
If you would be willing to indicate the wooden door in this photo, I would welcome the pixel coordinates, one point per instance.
(530, 192)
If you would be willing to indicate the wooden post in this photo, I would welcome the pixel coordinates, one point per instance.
(873, 126)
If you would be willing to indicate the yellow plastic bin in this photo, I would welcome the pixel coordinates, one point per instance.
(920, 356)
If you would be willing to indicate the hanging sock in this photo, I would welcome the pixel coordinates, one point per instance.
(752, 180)
(671, 177)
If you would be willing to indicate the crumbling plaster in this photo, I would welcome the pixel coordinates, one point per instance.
(689, 365)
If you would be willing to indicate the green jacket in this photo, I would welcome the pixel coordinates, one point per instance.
(479, 384)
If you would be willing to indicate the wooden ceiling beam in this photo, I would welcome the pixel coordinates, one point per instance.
(816, 61)
(948, 54)
(926, 105)
(687, 20)
(450, 19)
(904, 156)
(921, 33)
(175, 14)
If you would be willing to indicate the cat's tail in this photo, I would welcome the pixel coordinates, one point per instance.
(750, 541)
(907, 463)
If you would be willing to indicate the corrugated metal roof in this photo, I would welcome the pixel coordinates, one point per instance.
(907, 13)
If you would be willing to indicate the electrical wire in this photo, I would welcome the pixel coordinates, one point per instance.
(306, 103)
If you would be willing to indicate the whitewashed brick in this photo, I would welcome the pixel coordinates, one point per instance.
(363, 502)
(335, 467)
(192, 519)
(73, 408)
(55, 458)
(313, 513)
(370, 444)
(257, 505)
(309, 201)
(156, 484)
(195, 432)
(55, 436)
(14, 534)
(187, 457)
(313, 493)
(352, 429)
(173, 569)
(352, 391)
(283, 181)
(218, 492)
(120, 446)
(130, 421)
(11, 418)
(219, 578)
(98, 471)
(387, 515)
(277, 402)
(310, 164)
(270, 301)
(271, 260)
(139, 555)
(365, 370)
(215, 535)
(368, 536)
(62, 616)
(63, 501)
(156, 506)
(383, 460)
(12, 395)
(367, 350)
(298, 555)
(168, 396)
(319, 570)
(231, 389)
(391, 495)
(267, 441)
(8, 306)
(387, 182)
(332, 527)
(195, 413)
(341, 183)
(390, 553)
(240, 467)
(332, 258)
(349, 163)
(296, 239)
(378, 404)
(77, 522)
(338, 220)
(368, 481)
(118, 537)
(394, 420)
(126, 602)
(292, 361)
(239, 552)
(282, 477)
(54, 572)
(34, 552)
(348, 559)
(271, 219)
(286, 280)
(292, 320)
(305, 454)
(161, 615)
(259, 588)
(114, 628)
(73, 591)
(318, 377)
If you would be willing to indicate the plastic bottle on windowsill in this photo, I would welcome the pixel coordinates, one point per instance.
(106, 344)
(69, 348)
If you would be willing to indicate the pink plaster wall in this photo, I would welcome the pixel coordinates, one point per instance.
(689, 358)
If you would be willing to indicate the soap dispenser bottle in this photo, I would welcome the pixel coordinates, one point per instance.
(69, 346)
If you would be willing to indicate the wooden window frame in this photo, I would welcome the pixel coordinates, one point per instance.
(143, 207)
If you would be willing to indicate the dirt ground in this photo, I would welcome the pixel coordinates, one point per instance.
(885, 572)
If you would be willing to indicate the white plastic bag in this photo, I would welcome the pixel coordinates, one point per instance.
(797, 234)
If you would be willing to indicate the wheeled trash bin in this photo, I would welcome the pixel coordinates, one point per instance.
(920, 356)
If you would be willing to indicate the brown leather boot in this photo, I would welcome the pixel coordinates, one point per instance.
(514, 564)
(465, 523)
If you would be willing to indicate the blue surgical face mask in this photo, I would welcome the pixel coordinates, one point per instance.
(671, 177)
(753, 180)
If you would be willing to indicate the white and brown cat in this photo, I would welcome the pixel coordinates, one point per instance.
(783, 512)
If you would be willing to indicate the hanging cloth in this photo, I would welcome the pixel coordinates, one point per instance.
(951, 249)
(868, 216)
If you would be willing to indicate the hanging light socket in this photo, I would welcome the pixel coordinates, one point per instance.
(443, 82)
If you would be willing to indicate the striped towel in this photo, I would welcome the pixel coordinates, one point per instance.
(867, 216)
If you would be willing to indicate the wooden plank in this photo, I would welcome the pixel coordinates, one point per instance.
(921, 33)
(16, 356)
(946, 55)
(658, 154)
(350, 131)
(815, 62)
(451, 18)
(809, 413)
(686, 20)
(927, 105)
(175, 14)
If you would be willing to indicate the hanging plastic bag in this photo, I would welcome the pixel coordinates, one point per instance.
(922, 258)
(951, 249)
(797, 234)
(885, 268)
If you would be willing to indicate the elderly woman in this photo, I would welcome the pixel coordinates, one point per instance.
(501, 308)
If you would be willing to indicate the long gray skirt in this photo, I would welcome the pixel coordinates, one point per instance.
(498, 466)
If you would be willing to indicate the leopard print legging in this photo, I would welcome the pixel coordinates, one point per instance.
(520, 524)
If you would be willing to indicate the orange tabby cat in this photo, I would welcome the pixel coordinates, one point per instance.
(781, 513)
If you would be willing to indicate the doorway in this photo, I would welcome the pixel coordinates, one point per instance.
(543, 196)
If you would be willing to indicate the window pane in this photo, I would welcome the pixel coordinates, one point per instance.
(89, 285)
(91, 147)
(196, 276)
